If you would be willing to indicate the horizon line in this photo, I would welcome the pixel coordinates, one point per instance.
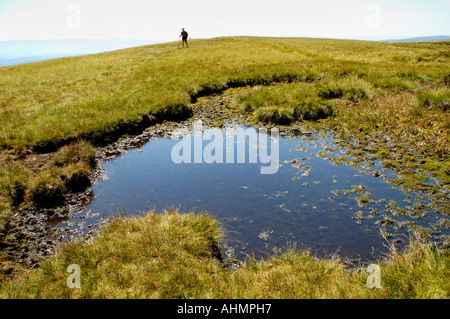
(368, 38)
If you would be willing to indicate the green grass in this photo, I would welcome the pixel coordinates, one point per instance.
(74, 153)
(356, 89)
(13, 182)
(47, 189)
(174, 255)
(284, 104)
(64, 99)
(69, 171)
(439, 99)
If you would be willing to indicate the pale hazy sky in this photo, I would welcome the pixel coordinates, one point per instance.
(162, 20)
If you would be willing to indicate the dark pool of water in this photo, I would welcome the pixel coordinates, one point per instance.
(261, 213)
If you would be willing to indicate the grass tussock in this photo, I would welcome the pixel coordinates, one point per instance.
(283, 104)
(417, 272)
(352, 88)
(5, 214)
(48, 188)
(437, 99)
(13, 182)
(70, 171)
(74, 153)
(174, 255)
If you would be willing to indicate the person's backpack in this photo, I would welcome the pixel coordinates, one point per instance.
(184, 34)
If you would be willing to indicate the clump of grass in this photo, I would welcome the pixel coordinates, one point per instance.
(353, 89)
(283, 104)
(293, 274)
(5, 214)
(70, 172)
(74, 153)
(364, 199)
(419, 271)
(47, 188)
(50, 186)
(438, 99)
(13, 182)
(76, 176)
(356, 189)
(274, 114)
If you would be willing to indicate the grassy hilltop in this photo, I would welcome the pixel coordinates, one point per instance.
(83, 97)
(389, 100)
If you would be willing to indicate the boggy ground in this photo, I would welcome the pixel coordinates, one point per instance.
(33, 245)
(29, 240)
(404, 120)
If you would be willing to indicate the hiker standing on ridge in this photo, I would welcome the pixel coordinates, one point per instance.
(184, 36)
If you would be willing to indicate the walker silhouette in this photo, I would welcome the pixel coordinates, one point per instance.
(184, 36)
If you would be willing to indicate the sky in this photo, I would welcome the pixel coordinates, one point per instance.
(162, 20)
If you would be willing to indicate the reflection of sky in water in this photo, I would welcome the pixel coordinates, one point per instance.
(260, 213)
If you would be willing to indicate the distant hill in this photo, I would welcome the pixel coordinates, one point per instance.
(26, 51)
(424, 39)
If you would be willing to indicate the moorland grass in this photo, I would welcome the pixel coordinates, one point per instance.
(284, 104)
(439, 99)
(13, 182)
(174, 255)
(355, 88)
(63, 99)
(74, 153)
